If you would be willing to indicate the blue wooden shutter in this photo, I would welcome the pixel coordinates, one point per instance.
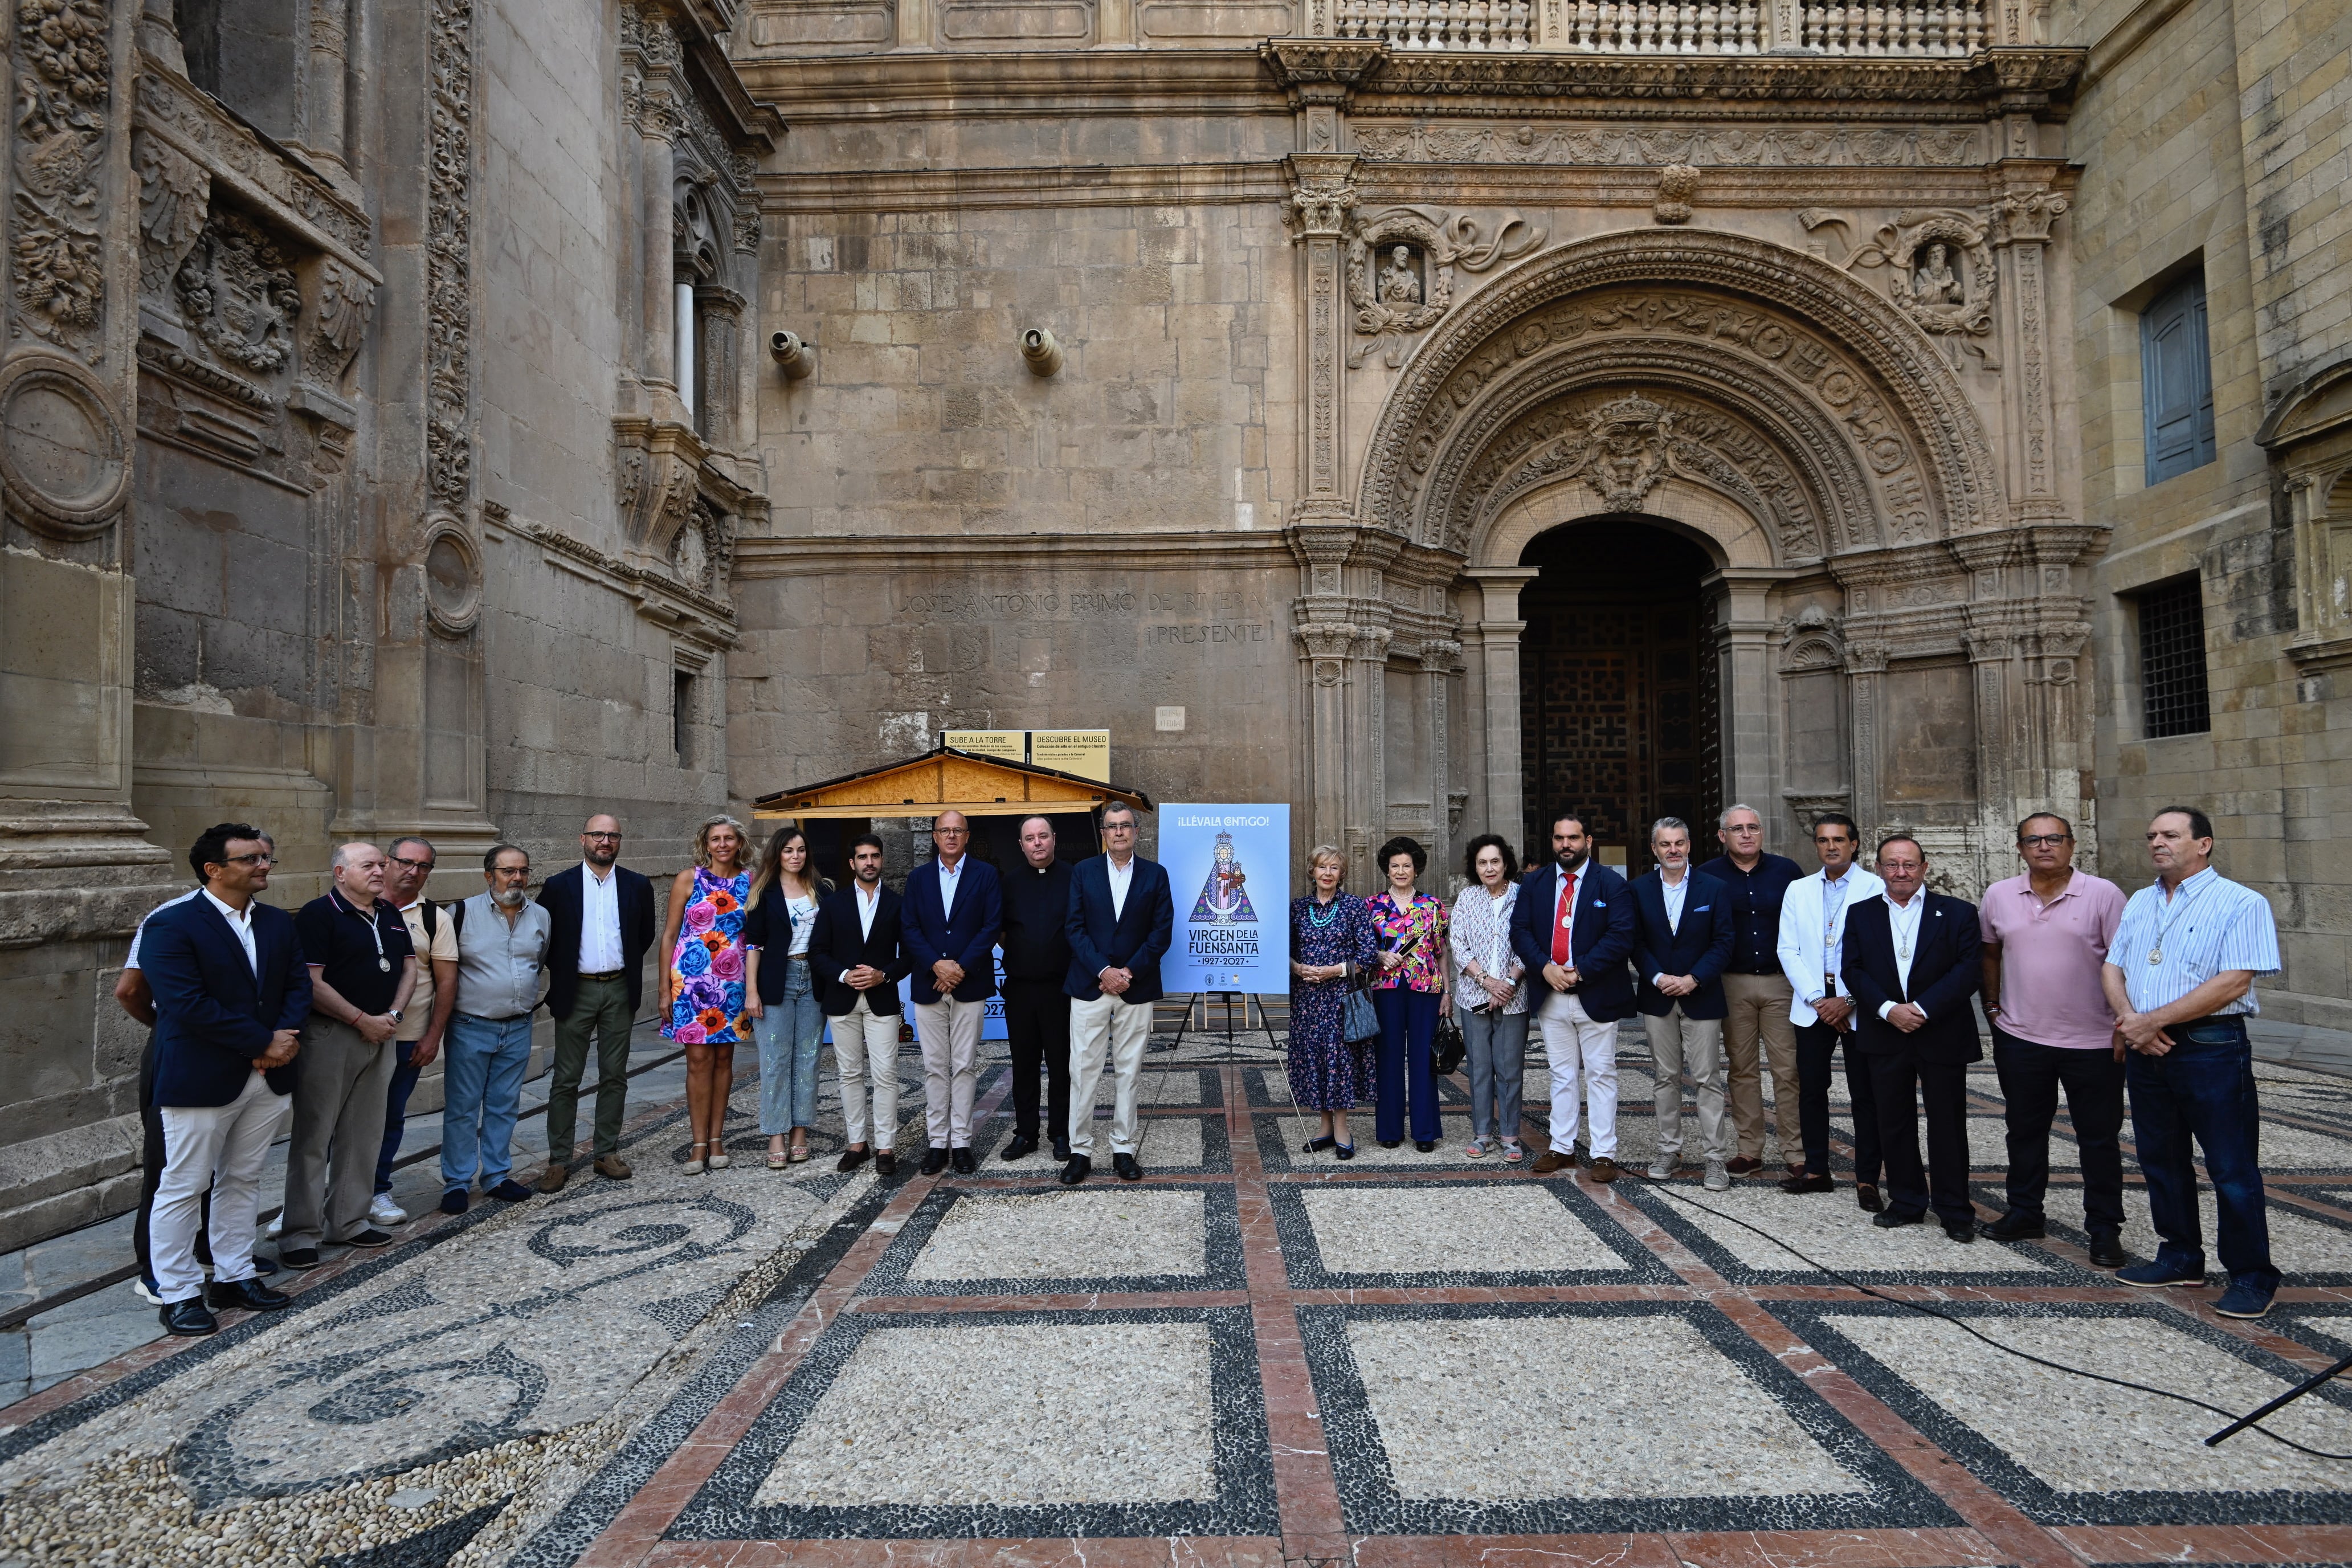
(2177, 381)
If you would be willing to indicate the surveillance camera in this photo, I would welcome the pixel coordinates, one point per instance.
(1042, 353)
(796, 358)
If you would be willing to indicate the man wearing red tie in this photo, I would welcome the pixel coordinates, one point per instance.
(1574, 926)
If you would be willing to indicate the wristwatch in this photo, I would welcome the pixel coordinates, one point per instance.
(393, 1013)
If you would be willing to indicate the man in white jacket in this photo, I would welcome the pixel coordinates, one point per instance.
(1813, 933)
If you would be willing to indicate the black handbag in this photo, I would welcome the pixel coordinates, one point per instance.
(1446, 1048)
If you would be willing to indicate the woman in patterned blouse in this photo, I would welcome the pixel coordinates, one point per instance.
(1493, 1004)
(1330, 941)
(1410, 996)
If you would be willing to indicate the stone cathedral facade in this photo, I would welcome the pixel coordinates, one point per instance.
(457, 417)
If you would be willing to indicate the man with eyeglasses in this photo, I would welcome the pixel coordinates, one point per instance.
(601, 917)
(2047, 935)
(133, 995)
(426, 1017)
(502, 946)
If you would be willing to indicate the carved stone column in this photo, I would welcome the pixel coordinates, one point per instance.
(1496, 638)
(1320, 200)
(322, 91)
(1342, 626)
(654, 87)
(2021, 238)
(1438, 657)
(1747, 688)
(1866, 664)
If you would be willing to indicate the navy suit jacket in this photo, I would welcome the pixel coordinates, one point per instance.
(1945, 974)
(1599, 942)
(968, 935)
(838, 942)
(1131, 941)
(214, 1013)
(561, 898)
(1700, 949)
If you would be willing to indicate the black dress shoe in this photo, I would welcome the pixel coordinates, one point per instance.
(886, 1164)
(962, 1160)
(189, 1318)
(2107, 1250)
(1391, 1143)
(1129, 1170)
(298, 1256)
(1021, 1148)
(1424, 1146)
(1895, 1219)
(1076, 1170)
(263, 1269)
(2017, 1225)
(934, 1162)
(1061, 1150)
(1960, 1230)
(369, 1237)
(1808, 1183)
(1865, 1194)
(246, 1296)
(853, 1158)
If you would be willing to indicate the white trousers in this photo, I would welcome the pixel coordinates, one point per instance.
(1106, 1027)
(220, 1149)
(866, 1048)
(950, 1031)
(1582, 1055)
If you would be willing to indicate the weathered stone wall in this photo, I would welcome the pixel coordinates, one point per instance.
(2214, 133)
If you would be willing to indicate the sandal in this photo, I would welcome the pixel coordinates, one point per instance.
(719, 1160)
(799, 1154)
(1512, 1152)
(1474, 1150)
(695, 1164)
(775, 1162)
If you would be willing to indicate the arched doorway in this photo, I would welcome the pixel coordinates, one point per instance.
(1618, 715)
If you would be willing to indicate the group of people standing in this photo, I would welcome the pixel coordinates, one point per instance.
(1746, 964)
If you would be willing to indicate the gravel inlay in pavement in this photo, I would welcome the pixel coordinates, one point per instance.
(1452, 1233)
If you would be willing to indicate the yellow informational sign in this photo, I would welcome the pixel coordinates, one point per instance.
(1013, 745)
(1085, 753)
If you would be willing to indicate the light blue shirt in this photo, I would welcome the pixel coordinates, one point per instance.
(2169, 947)
(950, 879)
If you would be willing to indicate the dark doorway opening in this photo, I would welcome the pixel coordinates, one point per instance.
(1618, 717)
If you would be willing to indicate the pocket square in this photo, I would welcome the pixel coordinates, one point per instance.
(1599, 903)
(1702, 908)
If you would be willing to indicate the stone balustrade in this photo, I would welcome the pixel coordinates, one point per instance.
(1940, 28)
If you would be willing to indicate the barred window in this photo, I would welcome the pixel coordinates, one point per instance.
(2172, 659)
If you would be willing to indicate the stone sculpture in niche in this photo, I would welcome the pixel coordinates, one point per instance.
(238, 296)
(1939, 271)
(1411, 289)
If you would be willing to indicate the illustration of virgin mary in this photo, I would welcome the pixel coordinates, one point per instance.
(1224, 897)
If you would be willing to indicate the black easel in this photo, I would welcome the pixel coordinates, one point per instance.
(2283, 1400)
(1231, 1038)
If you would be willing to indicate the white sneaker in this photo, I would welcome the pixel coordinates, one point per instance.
(383, 1213)
(1718, 1176)
(277, 1224)
(145, 1292)
(1661, 1169)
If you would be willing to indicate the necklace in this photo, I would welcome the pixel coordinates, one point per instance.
(1319, 920)
(2179, 901)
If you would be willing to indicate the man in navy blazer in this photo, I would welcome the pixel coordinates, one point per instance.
(231, 995)
(1573, 927)
(1121, 920)
(1681, 947)
(858, 955)
(1913, 960)
(602, 921)
(953, 907)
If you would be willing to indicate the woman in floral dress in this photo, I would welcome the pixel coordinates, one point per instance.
(1410, 996)
(702, 989)
(1330, 940)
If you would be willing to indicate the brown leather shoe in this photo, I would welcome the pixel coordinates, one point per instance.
(1603, 1169)
(552, 1179)
(1552, 1160)
(1744, 1166)
(853, 1158)
(614, 1168)
(1866, 1194)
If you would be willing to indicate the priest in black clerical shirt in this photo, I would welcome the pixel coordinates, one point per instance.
(1037, 1012)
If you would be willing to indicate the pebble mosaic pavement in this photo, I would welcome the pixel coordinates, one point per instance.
(1254, 1357)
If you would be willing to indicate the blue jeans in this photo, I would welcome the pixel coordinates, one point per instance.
(787, 1032)
(2203, 1089)
(1408, 1020)
(481, 1089)
(396, 1113)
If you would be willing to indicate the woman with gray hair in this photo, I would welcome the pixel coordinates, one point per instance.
(702, 989)
(1330, 943)
(1491, 1001)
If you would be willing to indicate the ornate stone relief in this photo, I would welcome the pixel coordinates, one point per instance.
(275, 187)
(448, 267)
(1400, 267)
(1322, 195)
(1677, 184)
(346, 306)
(174, 194)
(237, 295)
(703, 555)
(1721, 146)
(62, 115)
(1939, 271)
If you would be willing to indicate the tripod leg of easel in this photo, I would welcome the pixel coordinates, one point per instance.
(2289, 1397)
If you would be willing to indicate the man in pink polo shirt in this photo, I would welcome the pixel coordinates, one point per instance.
(2045, 941)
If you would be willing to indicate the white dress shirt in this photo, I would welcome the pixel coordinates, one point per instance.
(1121, 876)
(1676, 892)
(241, 922)
(599, 921)
(1902, 919)
(1833, 896)
(950, 879)
(866, 904)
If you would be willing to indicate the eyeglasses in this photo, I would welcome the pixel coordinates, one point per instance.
(2044, 840)
(412, 865)
(613, 837)
(250, 860)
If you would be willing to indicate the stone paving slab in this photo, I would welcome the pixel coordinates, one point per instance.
(1254, 1358)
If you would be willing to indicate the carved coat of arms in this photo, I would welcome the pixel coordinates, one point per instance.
(237, 294)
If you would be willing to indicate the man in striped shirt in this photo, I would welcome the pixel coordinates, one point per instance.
(2179, 976)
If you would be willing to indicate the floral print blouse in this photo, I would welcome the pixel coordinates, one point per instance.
(1395, 924)
(708, 966)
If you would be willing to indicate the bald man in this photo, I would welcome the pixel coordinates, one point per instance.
(363, 967)
(603, 916)
(950, 917)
